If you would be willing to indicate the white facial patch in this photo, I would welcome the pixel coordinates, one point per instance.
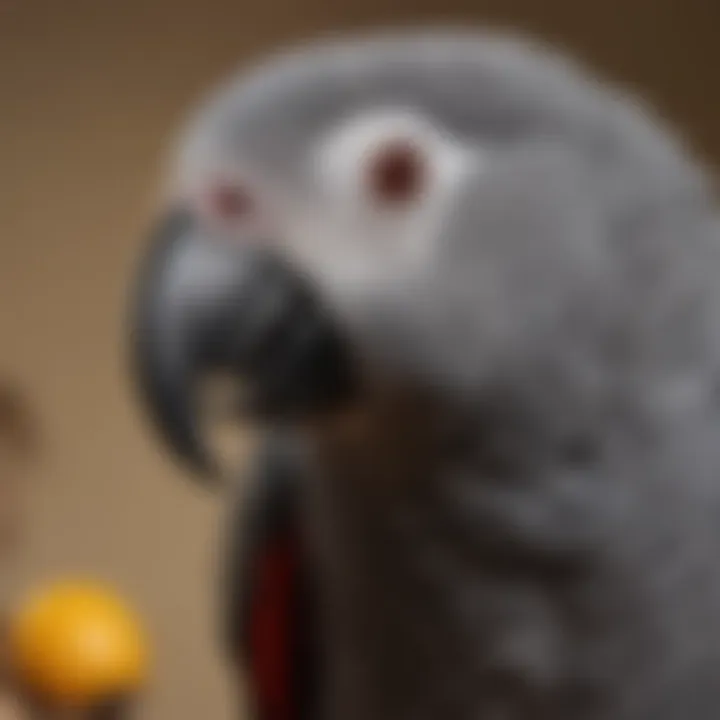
(350, 238)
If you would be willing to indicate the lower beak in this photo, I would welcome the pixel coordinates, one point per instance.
(202, 306)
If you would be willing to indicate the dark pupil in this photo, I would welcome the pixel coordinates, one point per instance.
(397, 173)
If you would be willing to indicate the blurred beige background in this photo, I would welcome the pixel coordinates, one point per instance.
(89, 90)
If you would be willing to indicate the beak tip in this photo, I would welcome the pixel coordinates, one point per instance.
(160, 343)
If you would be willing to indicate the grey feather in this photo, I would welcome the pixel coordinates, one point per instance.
(525, 524)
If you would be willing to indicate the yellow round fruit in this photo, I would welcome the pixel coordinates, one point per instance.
(77, 644)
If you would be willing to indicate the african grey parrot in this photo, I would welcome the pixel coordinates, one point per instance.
(472, 295)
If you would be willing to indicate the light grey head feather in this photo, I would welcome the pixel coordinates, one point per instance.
(567, 314)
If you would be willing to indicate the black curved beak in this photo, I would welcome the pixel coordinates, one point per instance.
(202, 306)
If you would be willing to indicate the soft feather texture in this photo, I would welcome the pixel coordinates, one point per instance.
(522, 521)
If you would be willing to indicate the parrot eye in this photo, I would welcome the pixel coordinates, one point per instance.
(396, 173)
(390, 160)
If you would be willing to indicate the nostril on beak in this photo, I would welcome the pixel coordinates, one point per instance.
(231, 202)
(230, 206)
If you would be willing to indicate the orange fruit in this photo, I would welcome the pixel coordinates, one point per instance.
(77, 644)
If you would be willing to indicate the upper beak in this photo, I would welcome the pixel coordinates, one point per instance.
(201, 306)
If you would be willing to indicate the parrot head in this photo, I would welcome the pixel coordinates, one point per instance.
(430, 208)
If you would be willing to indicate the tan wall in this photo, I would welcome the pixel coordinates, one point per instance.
(88, 91)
